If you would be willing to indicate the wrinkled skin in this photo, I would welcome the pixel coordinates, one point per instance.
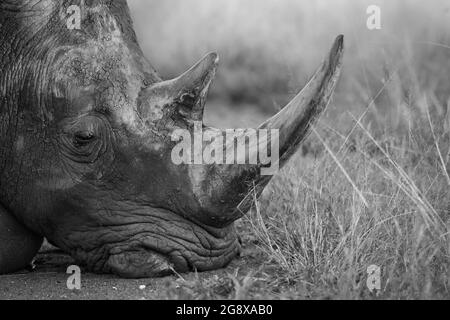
(85, 158)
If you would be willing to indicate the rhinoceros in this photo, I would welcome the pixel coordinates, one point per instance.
(85, 158)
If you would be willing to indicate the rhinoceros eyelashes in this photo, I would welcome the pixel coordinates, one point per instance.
(84, 137)
(82, 143)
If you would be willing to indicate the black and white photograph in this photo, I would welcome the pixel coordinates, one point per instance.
(224, 150)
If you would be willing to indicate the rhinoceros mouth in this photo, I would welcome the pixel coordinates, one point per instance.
(154, 244)
(139, 263)
(147, 262)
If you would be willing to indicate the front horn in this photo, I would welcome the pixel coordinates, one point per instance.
(228, 190)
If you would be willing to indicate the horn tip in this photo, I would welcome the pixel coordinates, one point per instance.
(213, 57)
(337, 52)
(338, 44)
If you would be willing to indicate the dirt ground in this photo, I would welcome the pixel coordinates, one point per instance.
(48, 281)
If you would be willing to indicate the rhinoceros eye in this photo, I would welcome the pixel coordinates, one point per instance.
(83, 138)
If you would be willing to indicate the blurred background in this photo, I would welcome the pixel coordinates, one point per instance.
(270, 48)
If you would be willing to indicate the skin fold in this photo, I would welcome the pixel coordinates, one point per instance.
(85, 156)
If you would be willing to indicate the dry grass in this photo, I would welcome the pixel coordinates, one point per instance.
(324, 224)
(377, 194)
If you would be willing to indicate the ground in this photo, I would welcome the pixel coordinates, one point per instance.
(49, 281)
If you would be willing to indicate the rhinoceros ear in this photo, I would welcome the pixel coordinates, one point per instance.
(194, 85)
(187, 93)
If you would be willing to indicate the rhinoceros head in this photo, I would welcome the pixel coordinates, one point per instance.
(87, 141)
